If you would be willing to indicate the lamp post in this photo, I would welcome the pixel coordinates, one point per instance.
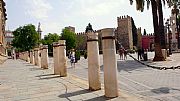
(169, 36)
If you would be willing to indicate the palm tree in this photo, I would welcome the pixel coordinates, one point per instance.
(156, 23)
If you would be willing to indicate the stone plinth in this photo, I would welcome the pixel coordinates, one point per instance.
(37, 57)
(56, 58)
(93, 61)
(44, 57)
(164, 53)
(110, 64)
(62, 58)
(32, 57)
(27, 56)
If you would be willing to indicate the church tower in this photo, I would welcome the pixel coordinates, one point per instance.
(39, 30)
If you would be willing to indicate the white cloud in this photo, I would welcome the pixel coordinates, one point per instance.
(38, 9)
(99, 8)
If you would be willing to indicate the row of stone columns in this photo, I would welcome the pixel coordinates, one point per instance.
(34, 56)
(109, 62)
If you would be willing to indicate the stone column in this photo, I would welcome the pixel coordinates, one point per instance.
(109, 61)
(32, 57)
(56, 57)
(27, 56)
(36, 57)
(44, 57)
(93, 61)
(62, 58)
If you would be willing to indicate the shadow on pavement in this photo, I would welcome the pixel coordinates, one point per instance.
(30, 65)
(100, 98)
(163, 90)
(33, 69)
(75, 93)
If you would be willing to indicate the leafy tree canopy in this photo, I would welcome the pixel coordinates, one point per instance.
(49, 39)
(70, 38)
(25, 38)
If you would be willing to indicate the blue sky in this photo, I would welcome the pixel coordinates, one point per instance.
(54, 15)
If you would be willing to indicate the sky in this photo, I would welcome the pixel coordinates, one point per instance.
(54, 15)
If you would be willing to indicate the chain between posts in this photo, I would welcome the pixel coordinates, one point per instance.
(154, 67)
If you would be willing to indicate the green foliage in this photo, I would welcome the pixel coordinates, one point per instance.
(70, 38)
(77, 55)
(80, 42)
(25, 38)
(49, 39)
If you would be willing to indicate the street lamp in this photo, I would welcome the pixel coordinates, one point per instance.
(169, 36)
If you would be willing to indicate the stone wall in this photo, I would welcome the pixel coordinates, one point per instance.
(124, 31)
(2, 27)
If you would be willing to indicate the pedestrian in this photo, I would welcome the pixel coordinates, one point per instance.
(142, 53)
(125, 54)
(139, 54)
(72, 59)
(121, 52)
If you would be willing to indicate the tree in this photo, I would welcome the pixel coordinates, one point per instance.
(157, 23)
(134, 31)
(25, 38)
(49, 39)
(70, 38)
(144, 33)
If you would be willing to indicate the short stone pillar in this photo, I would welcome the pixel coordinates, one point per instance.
(62, 58)
(44, 57)
(110, 63)
(93, 61)
(37, 57)
(56, 58)
(164, 53)
(32, 57)
(27, 56)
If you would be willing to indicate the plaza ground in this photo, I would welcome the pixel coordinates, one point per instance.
(22, 81)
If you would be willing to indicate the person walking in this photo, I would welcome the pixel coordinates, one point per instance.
(125, 54)
(121, 52)
(139, 54)
(72, 59)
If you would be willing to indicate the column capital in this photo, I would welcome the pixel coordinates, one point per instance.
(108, 33)
(62, 42)
(55, 44)
(92, 36)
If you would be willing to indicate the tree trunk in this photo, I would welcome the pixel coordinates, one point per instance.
(158, 53)
(161, 25)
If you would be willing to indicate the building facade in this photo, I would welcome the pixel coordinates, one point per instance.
(3, 18)
(148, 42)
(72, 29)
(9, 38)
(124, 31)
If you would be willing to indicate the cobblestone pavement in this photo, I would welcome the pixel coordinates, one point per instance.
(153, 84)
(21, 81)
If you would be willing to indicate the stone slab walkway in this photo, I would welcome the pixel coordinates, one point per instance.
(21, 81)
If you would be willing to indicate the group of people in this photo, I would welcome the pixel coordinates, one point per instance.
(140, 53)
(123, 54)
